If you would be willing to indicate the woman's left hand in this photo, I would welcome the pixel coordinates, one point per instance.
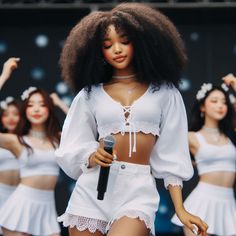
(194, 223)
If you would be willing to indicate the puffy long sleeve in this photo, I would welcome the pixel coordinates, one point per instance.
(79, 137)
(170, 158)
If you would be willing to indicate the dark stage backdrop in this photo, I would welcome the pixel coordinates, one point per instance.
(37, 36)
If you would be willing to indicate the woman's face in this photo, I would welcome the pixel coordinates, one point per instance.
(10, 118)
(215, 105)
(37, 112)
(117, 49)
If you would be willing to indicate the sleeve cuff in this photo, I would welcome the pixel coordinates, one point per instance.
(173, 181)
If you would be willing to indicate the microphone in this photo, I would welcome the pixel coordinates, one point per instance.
(109, 142)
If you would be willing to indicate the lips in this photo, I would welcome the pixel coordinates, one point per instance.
(36, 116)
(119, 58)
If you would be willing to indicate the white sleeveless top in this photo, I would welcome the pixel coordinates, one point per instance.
(161, 113)
(7, 160)
(210, 157)
(40, 162)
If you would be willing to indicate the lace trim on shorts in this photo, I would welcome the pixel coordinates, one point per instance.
(83, 223)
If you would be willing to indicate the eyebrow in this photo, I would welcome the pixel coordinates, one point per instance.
(120, 36)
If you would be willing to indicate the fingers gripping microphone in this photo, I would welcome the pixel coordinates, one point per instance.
(109, 142)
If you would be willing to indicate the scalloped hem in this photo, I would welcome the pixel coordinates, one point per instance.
(92, 225)
(83, 223)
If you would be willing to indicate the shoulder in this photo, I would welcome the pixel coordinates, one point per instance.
(193, 141)
(166, 90)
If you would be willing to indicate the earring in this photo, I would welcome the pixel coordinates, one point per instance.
(202, 114)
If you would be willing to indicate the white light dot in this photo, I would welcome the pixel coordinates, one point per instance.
(163, 209)
(41, 41)
(3, 47)
(194, 36)
(61, 88)
(185, 84)
(37, 73)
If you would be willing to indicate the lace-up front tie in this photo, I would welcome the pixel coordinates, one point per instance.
(128, 123)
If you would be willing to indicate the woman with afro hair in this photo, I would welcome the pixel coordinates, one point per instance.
(125, 65)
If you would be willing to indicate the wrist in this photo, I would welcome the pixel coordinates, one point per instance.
(179, 209)
(91, 162)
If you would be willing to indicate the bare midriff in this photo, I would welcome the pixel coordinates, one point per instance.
(219, 178)
(144, 146)
(9, 177)
(43, 182)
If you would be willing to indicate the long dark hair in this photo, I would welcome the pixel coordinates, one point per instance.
(225, 125)
(159, 52)
(52, 124)
(17, 104)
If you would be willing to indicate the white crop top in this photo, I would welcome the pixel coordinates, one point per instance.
(210, 157)
(161, 113)
(40, 162)
(8, 161)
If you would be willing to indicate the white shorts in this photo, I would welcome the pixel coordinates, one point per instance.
(30, 210)
(131, 192)
(215, 205)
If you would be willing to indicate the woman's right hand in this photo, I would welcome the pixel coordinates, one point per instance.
(230, 80)
(101, 157)
(8, 67)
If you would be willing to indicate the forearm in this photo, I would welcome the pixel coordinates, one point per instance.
(2, 81)
(176, 196)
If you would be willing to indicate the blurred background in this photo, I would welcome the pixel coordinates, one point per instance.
(35, 30)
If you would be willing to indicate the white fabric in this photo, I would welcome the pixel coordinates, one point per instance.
(161, 113)
(83, 223)
(131, 191)
(215, 205)
(31, 211)
(210, 158)
(8, 161)
(40, 162)
(5, 192)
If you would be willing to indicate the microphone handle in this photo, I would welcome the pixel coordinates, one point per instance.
(103, 178)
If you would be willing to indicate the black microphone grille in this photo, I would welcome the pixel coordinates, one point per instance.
(109, 141)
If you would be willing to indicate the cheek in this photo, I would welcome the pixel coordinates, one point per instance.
(46, 112)
(106, 54)
(17, 118)
(130, 51)
(4, 120)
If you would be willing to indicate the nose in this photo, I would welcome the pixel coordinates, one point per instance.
(36, 108)
(117, 48)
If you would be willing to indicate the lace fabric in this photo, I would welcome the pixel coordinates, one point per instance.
(83, 223)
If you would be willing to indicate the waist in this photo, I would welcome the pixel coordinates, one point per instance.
(9, 177)
(45, 182)
(219, 178)
(144, 146)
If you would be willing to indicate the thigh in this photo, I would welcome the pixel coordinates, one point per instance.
(75, 232)
(7, 232)
(129, 227)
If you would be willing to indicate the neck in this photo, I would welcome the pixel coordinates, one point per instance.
(210, 123)
(38, 128)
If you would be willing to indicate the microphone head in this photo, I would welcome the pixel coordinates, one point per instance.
(109, 141)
